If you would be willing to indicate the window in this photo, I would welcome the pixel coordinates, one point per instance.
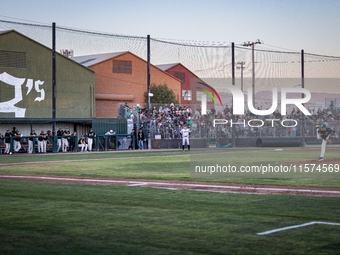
(12, 59)
(186, 95)
(199, 96)
(122, 66)
(180, 76)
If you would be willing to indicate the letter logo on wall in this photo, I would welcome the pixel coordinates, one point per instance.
(9, 106)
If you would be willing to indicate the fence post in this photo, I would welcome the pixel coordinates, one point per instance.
(54, 94)
(233, 83)
(303, 86)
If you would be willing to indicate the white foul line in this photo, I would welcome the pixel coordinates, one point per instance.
(296, 226)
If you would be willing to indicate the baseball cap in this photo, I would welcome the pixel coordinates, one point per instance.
(66, 128)
(323, 125)
(60, 128)
(42, 131)
(111, 131)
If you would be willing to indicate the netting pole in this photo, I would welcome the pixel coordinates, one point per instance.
(148, 92)
(303, 86)
(233, 83)
(54, 88)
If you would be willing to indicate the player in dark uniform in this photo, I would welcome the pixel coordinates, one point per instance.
(82, 144)
(60, 133)
(140, 138)
(324, 133)
(8, 136)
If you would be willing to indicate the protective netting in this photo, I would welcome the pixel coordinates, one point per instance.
(212, 62)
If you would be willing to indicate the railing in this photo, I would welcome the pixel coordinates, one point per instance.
(100, 143)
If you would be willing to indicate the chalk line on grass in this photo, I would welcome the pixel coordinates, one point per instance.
(297, 226)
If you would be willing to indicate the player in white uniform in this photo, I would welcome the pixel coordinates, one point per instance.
(30, 141)
(64, 140)
(90, 136)
(185, 132)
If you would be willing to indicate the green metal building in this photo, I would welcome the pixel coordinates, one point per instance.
(26, 81)
(26, 87)
(26, 90)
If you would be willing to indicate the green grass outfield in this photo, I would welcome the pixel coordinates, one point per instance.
(57, 218)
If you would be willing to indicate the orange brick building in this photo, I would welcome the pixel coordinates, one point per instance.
(122, 77)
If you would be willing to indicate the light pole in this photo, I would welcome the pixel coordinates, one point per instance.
(252, 44)
(241, 67)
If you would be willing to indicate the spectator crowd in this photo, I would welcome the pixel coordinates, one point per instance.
(167, 120)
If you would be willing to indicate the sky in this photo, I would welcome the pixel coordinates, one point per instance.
(311, 25)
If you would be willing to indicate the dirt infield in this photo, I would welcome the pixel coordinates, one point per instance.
(185, 185)
(191, 185)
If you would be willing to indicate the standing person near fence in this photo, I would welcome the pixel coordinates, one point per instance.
(73, 141)
(45, 138)
(110, 139)
(140, 137)
(8, 136)
(50, 138)
(324, 133)
(17, 139)
(30, 141)
(66, 137)
(60, 133)
(41, 142)
(185, 132)
(90, 137)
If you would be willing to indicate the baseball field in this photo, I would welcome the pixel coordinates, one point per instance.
(149, 202)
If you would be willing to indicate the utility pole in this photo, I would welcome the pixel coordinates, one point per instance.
(241, 67)
(252, 44)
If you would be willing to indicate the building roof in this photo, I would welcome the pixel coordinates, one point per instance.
(89, 60)
(3, 33)
(165, 67)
